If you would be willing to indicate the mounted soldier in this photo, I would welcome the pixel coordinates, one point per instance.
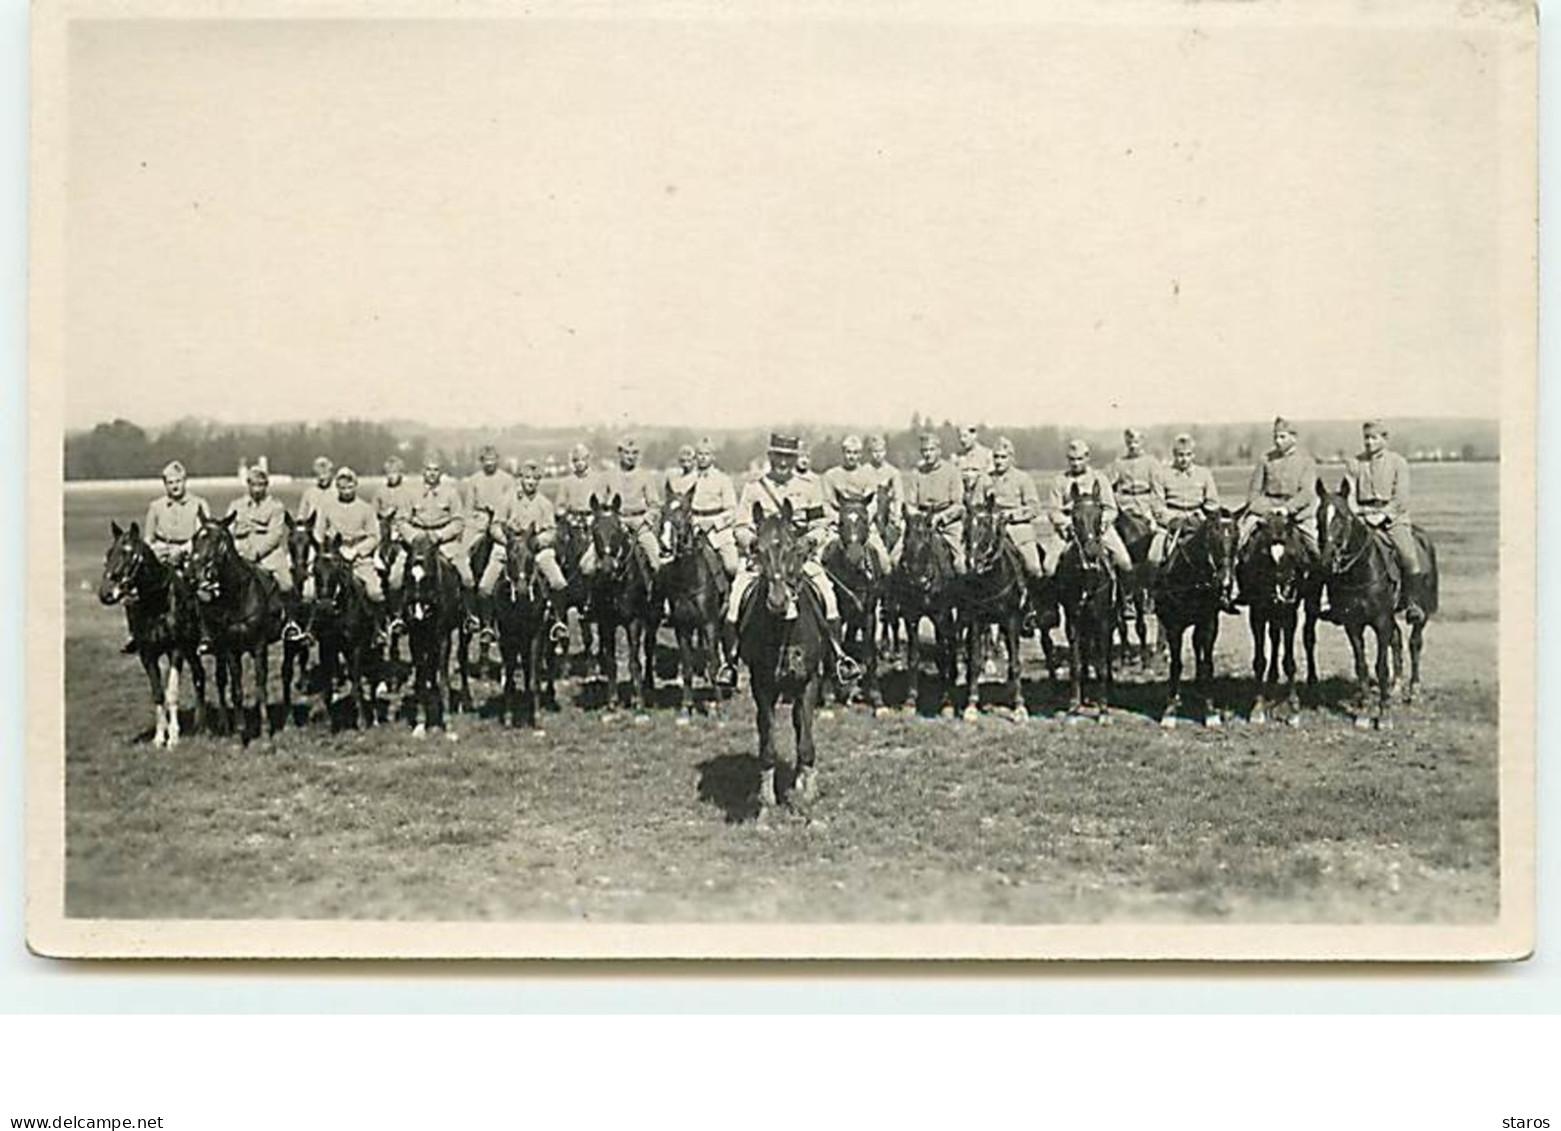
(760, 499)
(972, 456)
(393, 502)
(889, 490)
(853, 481)
(1016, 499)
(714, 505)
(1189, 493)
(1138, 481)
(1379, 478)
(171, 523)
(1059, 510)
(438, 514)
(639, 508)
(318, 493)
(528, 510)
(1284, 483)
(487, 489)
(936, 489)
(354, 522)
(260, 535)
(573, 499)
(680, 477)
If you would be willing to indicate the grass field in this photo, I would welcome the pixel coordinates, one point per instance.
(918, 820)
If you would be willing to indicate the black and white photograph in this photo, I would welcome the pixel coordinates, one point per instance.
(783, 481)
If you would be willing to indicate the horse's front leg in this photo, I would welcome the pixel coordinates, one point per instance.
(912, 667)
(1075, 666)
(1173, 700)
(975, 640)
(947, 636)
(1292, 702)
(870, 670)
(1259, 626)
(262, 662)
(1204, 634)
(198, 680)
(1357, 637)
(1309, 637)
(154, 675)
(802, 711)
(1013, 635)
(1384, 630)
(685, 635)
(639, 671)
(764, 695)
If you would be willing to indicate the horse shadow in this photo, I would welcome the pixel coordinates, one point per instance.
(731, 783)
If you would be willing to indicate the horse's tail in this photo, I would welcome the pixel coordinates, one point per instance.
(1430, 585)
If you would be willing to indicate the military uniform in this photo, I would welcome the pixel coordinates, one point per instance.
(1381, 487)
(519, 513)
(1289, 480)
(855, 484)
(314, 497)
(807, 505)
(260, 534)
(437, 513)
(940, 493)
(358, 526)
(639, 507)
(1139, 485)
(394, 503)
(714, 508)
(486, 492)
(1016, 499)
(890, 484)
(977, 460)
(1187, 492)
(171, 525)
(1059, 512)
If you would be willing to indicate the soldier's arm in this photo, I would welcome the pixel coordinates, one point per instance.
(368, 539)
(1157, 507)
(272, 537)
(1211, 489)
(1056, 514)
(1255, 490)
(1398, 500)
(1307, 491)
(1108, 504)
(149, 527)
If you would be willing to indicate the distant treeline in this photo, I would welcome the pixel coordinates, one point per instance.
(122, 450)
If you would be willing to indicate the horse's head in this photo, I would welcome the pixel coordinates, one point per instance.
(856, 522)
(332, 576)
(678, 529)
(301, 548)
(609, 537)
(520, 555)
(1336, 527)
(1087, 522)
(1221, 538)
(1276, 559)
(777, 557)
(422, 579)
(920, 557)
(390, 546)
(122, 565)
(984, 535)
(212, 557)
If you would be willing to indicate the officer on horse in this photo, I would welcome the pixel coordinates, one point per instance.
(438, 515)
(352, 520)
(679, 478)
(764, 496)
(393, 501)
(640, 501)
(1016, 500)
(889, 490)
(318, 493)
(1283, 484)
(1138, 481)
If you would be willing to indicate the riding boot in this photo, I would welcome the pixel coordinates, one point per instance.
(1414, 612)
(557, 625)
(394, 625)
(726, 674)
(485, 632)
(469, 607)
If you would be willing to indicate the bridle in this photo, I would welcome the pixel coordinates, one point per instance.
(126, 586)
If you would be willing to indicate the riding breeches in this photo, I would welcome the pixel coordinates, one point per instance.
(547, 566)
(811, 569)
(277, 565)
(724, 542)
(366, 570)
(455, 552)
(1054, 544)
(171, 553)
(1022, 536)
(1402, 535)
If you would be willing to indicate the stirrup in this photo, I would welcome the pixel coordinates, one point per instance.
(726, 675)
(559, 633)
(473, 623)
(486, 635)
(847, 670)
(292, 633)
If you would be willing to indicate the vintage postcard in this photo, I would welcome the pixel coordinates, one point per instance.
(785, 480)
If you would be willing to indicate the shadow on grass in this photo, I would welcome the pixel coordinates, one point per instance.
(731, 782)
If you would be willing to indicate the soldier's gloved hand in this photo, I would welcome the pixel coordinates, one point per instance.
(1376, 519)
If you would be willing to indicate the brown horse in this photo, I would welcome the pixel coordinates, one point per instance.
(160, 611)
(993, 594)
(1198, 571)
(858, 583)
(694, 588)
(1367, 590)
(922, 587)
(1088, 590)
(520, 607)
(782, 638)
(241, 609)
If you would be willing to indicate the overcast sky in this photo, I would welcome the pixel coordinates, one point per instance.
(730, 223)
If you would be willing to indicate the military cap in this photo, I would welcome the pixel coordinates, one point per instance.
(706, 446)
(783, 445)
(1374, 428)
(1078, 448)
(852, 443)
(488, 450)
(686, 451)
(531, 467)
(258, 474)
(931, 438)
(432, 463)
(580, 450)
(876, 441)
(1004, 445)
(175, 470)
(322, 465)
(1183, 443)
(1283, 425)
(1132, 433)
(629, 444)
(345, 474)
(394, 463)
